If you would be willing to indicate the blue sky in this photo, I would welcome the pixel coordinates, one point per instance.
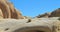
(35, 7)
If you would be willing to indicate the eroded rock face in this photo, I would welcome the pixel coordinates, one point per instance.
(9, 11)
(18, 14)
(5, 9)
(1, 15)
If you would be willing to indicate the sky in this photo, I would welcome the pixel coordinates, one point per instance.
(33, 8)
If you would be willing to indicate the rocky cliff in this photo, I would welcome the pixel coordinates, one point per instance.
(8, 10)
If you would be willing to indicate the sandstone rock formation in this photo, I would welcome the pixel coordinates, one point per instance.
(45, 15)
(55, 13)
(35, 25)
(5, 9)
(9, 11)
(11, 20)
(1, 15)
